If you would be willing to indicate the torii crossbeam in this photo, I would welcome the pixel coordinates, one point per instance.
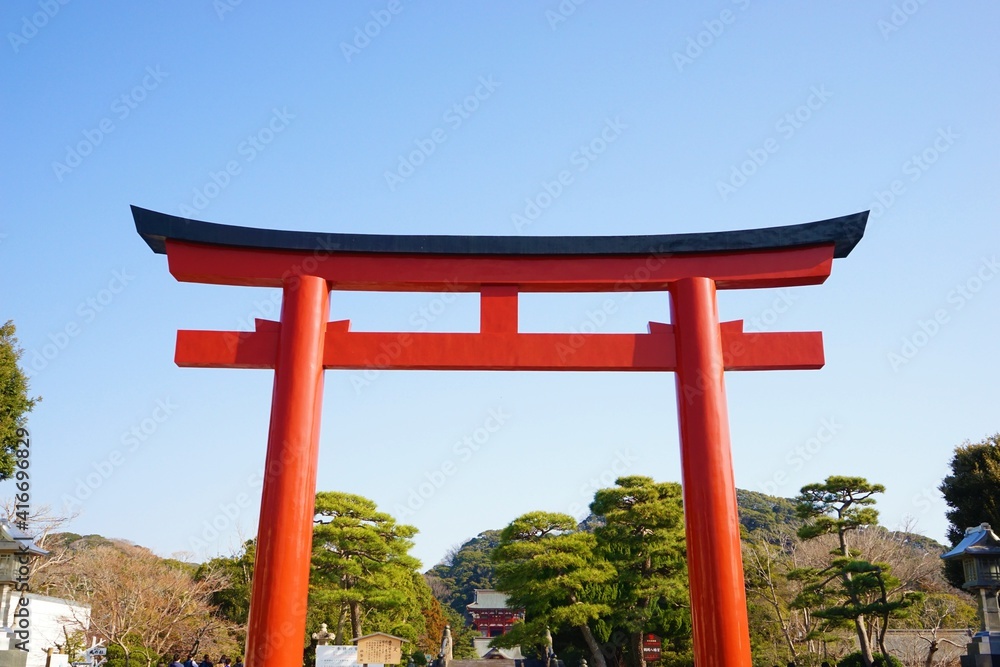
(695, 345)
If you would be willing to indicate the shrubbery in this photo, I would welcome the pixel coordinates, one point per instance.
(855, 660)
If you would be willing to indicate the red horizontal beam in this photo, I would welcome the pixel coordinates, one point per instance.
(225, 265)
(504, 351)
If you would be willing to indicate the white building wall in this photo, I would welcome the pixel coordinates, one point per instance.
(49, 616)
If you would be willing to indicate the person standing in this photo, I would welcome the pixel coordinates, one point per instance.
(205, 662)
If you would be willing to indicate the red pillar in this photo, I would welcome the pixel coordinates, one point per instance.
(277, 623)
(715, 563)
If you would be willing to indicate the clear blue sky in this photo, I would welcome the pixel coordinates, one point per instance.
(721, 115)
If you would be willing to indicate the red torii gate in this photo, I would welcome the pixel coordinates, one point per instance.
(695, 345)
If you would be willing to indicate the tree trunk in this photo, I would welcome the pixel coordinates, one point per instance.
(931, 650)
(339, 634)
(881, 636)
(785, 629)
(595, 648)
(355, 619)
(859, 622)
(640, 659)
(863, 641)
(885, 617)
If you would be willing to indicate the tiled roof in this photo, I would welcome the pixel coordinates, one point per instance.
(12, 534)
(487, 599)
(981, 541)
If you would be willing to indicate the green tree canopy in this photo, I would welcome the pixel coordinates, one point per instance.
(362, 569)
(548, 567)
(14, 401)
(643, 538)
(849, 590)
(972, 490)
(466, 569)
(764, 514)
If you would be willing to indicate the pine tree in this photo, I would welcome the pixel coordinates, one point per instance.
(643, 538)
(548, 567)
(848, 590)
(14, 401)
(362, 568)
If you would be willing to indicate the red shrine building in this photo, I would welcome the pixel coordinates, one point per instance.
(491, 616)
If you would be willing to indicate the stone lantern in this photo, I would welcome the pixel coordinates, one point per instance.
(979, 553)
(17, 550)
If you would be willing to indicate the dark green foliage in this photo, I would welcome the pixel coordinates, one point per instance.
(75, 541)
(849, 591)
(549, 567)
(546, 566)
(14, 401)
(643, 538)
(466, 569)
(233, 601)
(461, 636)
(760, 512)
(856, 660)
(838, 505)
(972, 491)
(362, 570)
(116, 656)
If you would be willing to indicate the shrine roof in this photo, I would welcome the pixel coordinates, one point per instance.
(978, 541)
(488, 599)
(843, 233)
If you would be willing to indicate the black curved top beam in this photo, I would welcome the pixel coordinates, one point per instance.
(843, 232)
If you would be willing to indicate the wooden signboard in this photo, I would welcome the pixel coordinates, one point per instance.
(651, 647)
(380, 648)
